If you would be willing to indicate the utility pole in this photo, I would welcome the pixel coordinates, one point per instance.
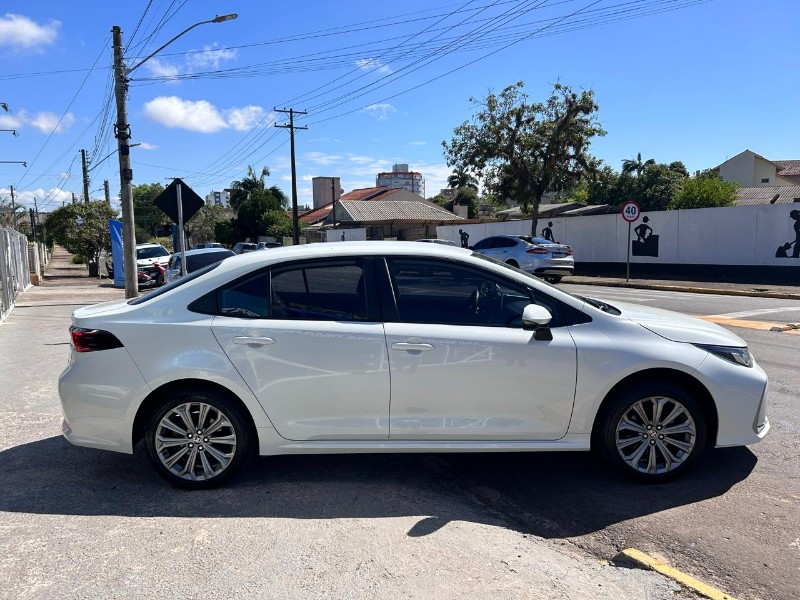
(291, 127)
(13, 209)
(33, 223)
(73, 198)
(85, 176)
(333, 196)
(108, 195)
(122, 131)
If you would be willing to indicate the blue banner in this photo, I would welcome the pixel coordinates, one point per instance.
(116, 252)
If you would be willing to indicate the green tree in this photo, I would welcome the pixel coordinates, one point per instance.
(679, 167)
(82, 228)
(202, 225)
(276, 223)
(658, 186)
(242, 188)
(523, 149)
(148, 218)
(249, 220)
(461, 178)
(636, 165)
(704, 192)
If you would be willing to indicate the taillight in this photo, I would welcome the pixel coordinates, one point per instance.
(90, 340)
(569, 251)
(537, 250)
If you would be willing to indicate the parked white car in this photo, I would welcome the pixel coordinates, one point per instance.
(195, 259)
(398, 347)
(544, 258)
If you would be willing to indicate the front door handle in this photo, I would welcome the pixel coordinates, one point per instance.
(409, 347)
(253, 341)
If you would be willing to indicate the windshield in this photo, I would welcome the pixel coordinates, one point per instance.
(151, 252)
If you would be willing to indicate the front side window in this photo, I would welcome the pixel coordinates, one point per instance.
(447, 293)
(321, 291)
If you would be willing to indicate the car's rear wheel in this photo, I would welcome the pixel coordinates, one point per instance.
(651, 432)
(553, 278)
(198, 439)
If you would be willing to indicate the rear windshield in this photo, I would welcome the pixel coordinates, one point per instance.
(198, 261)
(153, 252)
(171, 286)
(534, 240)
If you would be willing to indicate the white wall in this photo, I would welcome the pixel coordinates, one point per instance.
(350, 235)
(737, 235)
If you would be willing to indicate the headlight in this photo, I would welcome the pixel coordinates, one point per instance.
(740, 356)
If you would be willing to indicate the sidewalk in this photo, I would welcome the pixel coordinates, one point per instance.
(786, 292)
(68, 283)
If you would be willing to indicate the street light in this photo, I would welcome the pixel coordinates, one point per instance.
(123, 134)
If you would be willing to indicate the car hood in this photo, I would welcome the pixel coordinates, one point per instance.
(679, 327)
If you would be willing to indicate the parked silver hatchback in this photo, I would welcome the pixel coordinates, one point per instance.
(535, 255)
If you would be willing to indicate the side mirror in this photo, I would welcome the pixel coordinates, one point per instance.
(537, 318)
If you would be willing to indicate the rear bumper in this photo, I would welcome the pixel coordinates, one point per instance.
(98, 392)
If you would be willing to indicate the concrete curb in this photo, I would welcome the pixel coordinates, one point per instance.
(692, 289)
(645, 561)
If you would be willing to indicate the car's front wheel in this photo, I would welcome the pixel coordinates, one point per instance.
(652, 432)
(553, 278)
(198, 439)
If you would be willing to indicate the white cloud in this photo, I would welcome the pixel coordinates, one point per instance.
(417, 143)
(320, 158)
(21, 33)
(161, 68)
(178, 113)
(11, 121)
(247, 117)
(380, 111)
(204, 117)
(55, 196)
(372, 64)
(147, 146)
(211, 56)
(47, 122)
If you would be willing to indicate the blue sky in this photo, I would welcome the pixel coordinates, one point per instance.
(697, 84)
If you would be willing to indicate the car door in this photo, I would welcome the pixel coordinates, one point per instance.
(462, 367)
(307, 339)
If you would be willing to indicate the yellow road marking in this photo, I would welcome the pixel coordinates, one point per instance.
(763, 325)
(648, 562)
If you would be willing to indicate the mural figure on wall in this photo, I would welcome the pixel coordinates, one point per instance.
(343, 236)
(464, 238)
(783, 251)
(547, 233)
(645, 244)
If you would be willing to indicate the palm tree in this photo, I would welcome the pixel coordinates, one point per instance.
(461, 178)
(630, 165)
(251, 182)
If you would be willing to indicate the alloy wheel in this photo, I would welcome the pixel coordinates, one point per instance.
(195, 441)
(655, 435)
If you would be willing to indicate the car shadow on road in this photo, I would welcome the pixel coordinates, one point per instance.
(546, 494)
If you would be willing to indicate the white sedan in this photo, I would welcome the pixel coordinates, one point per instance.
(398, 347)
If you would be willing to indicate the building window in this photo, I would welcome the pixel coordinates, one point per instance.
(765, 180)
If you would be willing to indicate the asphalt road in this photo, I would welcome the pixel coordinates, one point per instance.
(735, 519)
(82, 523)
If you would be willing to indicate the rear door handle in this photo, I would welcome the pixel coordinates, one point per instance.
(253, 341)
(408, 347)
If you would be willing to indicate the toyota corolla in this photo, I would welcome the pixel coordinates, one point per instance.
(398, 347)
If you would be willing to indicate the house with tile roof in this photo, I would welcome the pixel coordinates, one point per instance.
(384, 212)
(749, 169)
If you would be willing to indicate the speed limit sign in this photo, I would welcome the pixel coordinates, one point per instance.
(631, 211)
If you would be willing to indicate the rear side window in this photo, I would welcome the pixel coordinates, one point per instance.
(246, 299)
(171, 286)
(330, 291)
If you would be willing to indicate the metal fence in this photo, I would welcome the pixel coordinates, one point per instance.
(14, 268)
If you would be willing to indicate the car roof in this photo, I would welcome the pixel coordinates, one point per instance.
(149, 245)
(196, 251)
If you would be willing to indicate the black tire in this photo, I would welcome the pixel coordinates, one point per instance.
(606, 437)
(553, 278)
(207, 471)
(512, 263)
